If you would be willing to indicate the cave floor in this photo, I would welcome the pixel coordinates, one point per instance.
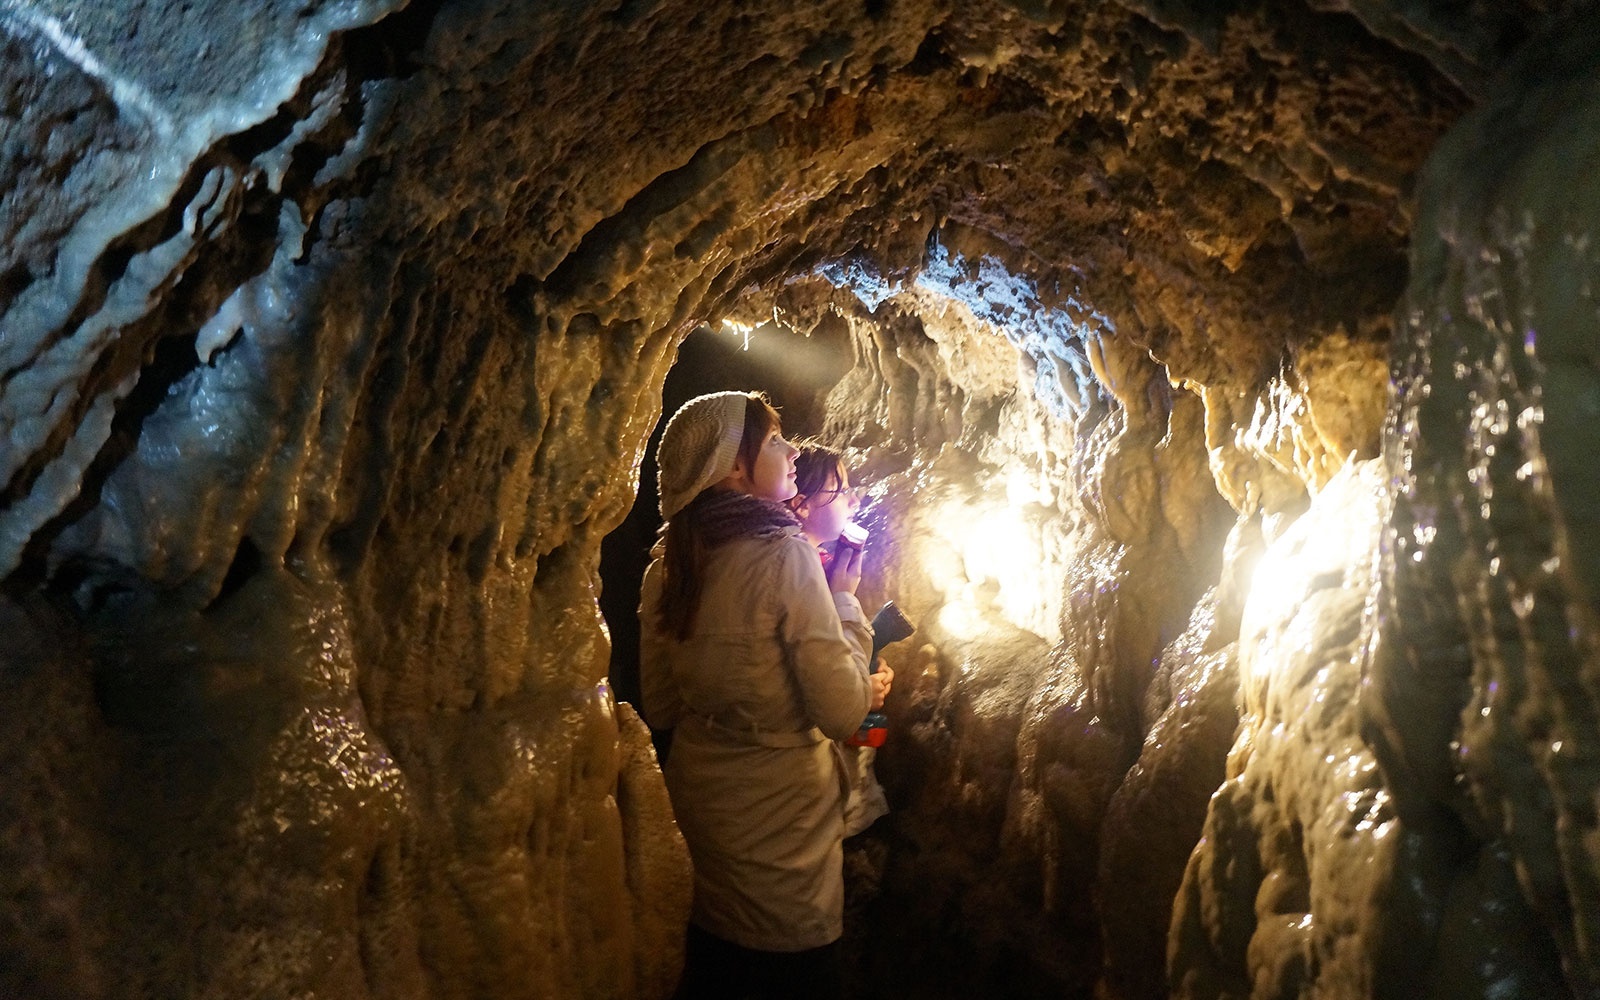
(902, 943)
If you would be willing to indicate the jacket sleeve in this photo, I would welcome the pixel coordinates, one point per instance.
(827, 641)
(663, 704)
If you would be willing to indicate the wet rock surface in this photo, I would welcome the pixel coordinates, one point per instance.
(332, 336)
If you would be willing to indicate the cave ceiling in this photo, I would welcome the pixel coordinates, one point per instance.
(639, 167)
(646, 164)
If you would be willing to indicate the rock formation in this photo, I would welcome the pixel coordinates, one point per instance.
(1222, 374)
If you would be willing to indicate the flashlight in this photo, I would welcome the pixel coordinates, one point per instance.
(853, 535)
(888, 625)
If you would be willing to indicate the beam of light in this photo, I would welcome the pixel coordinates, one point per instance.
(769, 354)
(984, 556)
(1318, 551)
(962, 620)
(740, 330)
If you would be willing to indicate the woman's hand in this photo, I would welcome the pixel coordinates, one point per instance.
(844, 573)
(881, 679)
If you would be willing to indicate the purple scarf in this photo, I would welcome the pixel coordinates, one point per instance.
(723, 515)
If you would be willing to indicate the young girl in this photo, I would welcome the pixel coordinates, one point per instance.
(759, 662)
(825, 502)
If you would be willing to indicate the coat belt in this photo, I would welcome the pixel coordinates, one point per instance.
(756, 737)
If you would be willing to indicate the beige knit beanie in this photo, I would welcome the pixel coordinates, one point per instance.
(699, 447)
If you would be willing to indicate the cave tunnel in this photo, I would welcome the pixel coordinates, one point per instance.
(1219, 374)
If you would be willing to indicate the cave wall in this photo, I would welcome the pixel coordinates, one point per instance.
(331, 336)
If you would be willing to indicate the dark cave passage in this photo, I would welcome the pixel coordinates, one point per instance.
(935, 908)
(709, 360)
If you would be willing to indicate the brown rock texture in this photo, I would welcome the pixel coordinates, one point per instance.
(332, 336)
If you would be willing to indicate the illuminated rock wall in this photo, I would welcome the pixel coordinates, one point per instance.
(331, 336)
(1410, 796)
(1482, 683)
(1056, 756)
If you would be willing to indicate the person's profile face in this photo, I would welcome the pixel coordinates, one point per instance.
(828, 510)
(773, 477)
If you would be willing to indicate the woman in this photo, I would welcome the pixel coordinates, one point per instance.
(825, 502)
(759, 662)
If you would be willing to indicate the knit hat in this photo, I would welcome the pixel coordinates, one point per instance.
(699, 447)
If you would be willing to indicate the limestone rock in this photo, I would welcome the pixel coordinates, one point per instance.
(332, 336)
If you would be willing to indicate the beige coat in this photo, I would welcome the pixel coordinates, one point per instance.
(774, 671)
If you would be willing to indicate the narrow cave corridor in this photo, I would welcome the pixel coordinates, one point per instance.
(1221, 376)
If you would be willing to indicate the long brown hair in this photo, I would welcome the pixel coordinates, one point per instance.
(684, 561)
